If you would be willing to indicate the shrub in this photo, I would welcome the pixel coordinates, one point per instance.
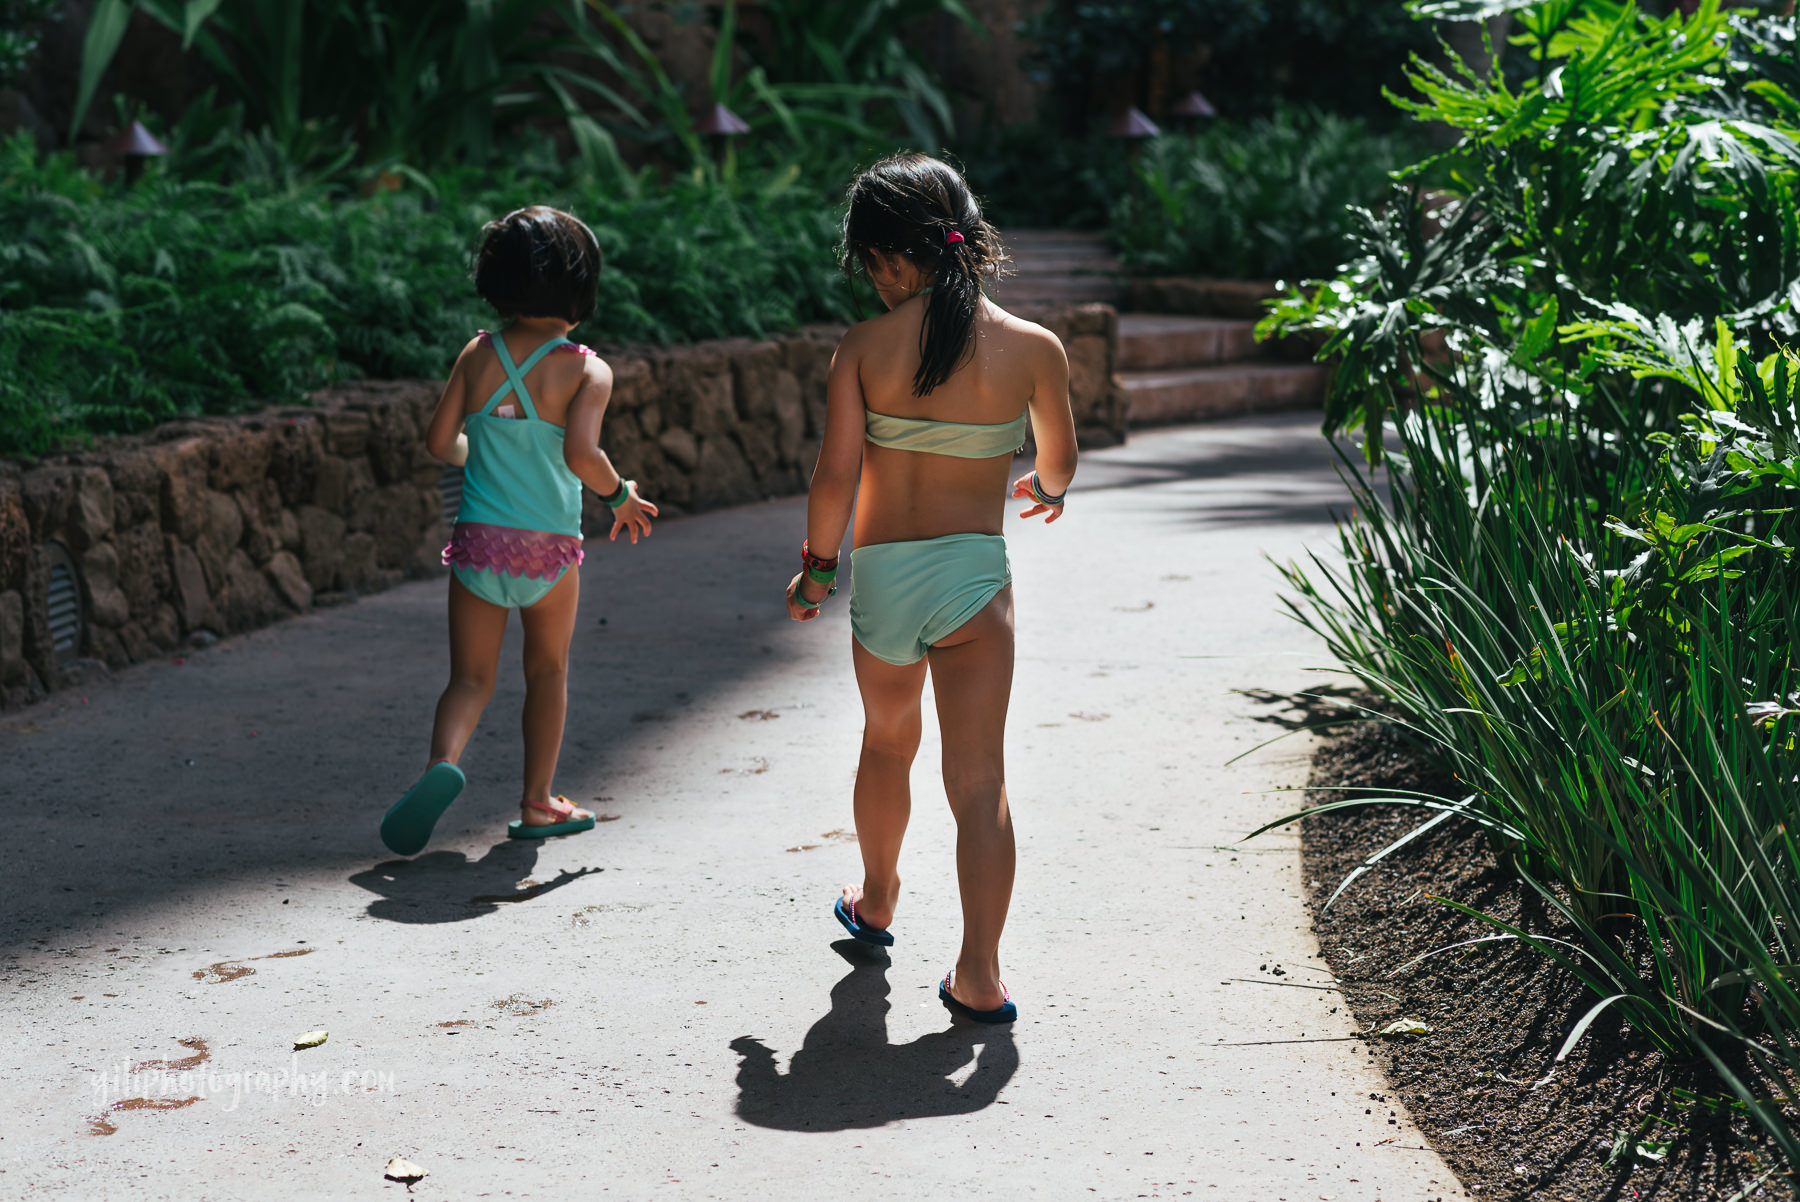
(1263, 198)
(122, 308)
(1578, 588)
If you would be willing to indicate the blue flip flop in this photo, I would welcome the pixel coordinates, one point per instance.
(862, 932)
(1005, 1012)
(516, 829)
(406, 827)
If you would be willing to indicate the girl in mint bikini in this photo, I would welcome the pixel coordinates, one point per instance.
(926, 405)
(521, 413)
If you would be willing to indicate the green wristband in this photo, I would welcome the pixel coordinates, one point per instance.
(803, 603)
(818, 577)
(625, 487)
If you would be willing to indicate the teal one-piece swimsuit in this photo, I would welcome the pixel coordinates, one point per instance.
(519, 528)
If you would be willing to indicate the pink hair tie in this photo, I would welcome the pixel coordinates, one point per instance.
(953, 236)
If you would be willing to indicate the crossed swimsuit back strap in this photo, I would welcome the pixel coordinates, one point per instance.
(515, 376)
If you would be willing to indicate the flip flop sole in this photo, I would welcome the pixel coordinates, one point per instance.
(1006, 1013)
(406, 827)
(874, 936)
(517, 829)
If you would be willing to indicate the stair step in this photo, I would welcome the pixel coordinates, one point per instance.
(1155, 341)
(1053, 289)
(1071, 238)
(1032, 262)
(1230, 390)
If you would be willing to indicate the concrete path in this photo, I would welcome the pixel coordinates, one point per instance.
(662, 1007)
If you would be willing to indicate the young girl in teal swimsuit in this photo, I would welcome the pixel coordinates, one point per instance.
(926, 405)
(522, 414)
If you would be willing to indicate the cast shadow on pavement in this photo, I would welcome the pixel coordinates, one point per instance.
(447, 886)
(847, 1075)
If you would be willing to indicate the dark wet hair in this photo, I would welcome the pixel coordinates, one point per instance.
(538, 262)
(913, 204)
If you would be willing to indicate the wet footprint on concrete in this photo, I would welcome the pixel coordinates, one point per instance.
(584, 916)
(232, 970)
(100, 1124)
(518, 1005)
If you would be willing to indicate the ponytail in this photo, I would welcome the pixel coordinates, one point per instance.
(915, 205)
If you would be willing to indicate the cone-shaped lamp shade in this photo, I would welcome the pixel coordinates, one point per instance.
(1133, 124)
(722, 122)
(1195, 105)
(137, 140)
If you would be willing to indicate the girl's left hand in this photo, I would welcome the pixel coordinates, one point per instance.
(633, 515)
(797, 611)
(1022, 491)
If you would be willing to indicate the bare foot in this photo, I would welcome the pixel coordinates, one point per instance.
(975, 993)
(546, 813)
(869, 910)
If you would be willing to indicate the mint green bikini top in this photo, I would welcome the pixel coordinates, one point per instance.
(963, 440)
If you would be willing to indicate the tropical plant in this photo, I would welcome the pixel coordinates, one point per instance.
(19, 22)
(123, 308)
(836, 46)
(1249, 56)
(421, 83)
(1262, 198)
(1576, 587)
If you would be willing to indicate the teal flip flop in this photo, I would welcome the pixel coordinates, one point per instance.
(406, 828)
(516, 829)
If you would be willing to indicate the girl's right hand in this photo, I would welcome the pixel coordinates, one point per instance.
(1022, 491)
(633, 515)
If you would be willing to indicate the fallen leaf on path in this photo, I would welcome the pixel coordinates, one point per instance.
(402, 1169)
(759, 715)
(1404, 1026)
(311, 1039)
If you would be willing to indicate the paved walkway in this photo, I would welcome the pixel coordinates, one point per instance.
(658, 1008)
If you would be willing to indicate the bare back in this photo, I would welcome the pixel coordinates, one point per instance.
(1015, 366)
(553, 382)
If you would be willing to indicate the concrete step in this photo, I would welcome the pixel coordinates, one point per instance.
(1156, 341)
(1036, 262)
(1229, 390)
(1056, 238)
(1058, 289)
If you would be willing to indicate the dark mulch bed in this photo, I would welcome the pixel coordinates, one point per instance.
(1499, 1011)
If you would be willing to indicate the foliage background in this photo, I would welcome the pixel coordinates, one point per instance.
(1575, 585)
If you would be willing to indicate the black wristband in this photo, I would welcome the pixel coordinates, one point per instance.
(616, 497)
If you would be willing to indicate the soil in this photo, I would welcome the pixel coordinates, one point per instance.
(1481, 1085)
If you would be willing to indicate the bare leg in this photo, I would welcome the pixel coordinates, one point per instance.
(549, 625)
(476, 628)
(971, 675)
(891, 723)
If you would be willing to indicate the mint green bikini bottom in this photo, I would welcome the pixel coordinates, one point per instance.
(504, 589)
(906, 596)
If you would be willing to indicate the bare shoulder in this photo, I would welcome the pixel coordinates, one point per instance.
(469, 349)
(859, 338)
(1041, 347)
(595, 370)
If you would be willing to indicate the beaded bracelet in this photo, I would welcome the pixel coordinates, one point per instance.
(818, 569)
(619, 495)
(1044, 498)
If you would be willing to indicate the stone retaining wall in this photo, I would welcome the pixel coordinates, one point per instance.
(202, 529)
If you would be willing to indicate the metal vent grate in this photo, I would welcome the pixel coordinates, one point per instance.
(64, 605)
(450, 486)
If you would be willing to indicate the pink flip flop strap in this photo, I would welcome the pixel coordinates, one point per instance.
(564, 812)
